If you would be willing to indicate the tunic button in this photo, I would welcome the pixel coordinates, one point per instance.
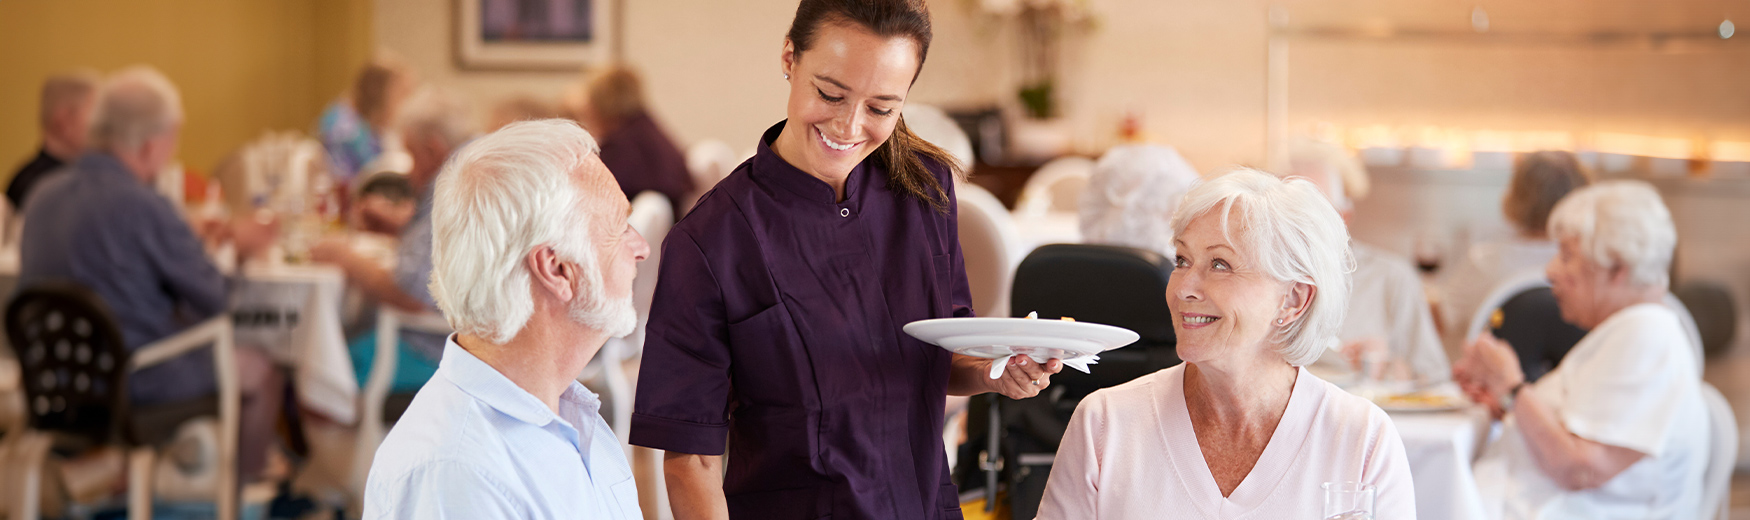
(845, 212)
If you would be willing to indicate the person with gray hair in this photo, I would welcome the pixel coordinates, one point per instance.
(1259, 288)
(101, 225)
(1388, 336)
(65, 117)
(1615, 430)
(433, 124)
(533, 260)
(1130, 198)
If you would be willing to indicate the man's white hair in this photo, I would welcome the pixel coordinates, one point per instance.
(1290, 232)
(437, 112)
(496, 200)
(1130, 198)
(136, 104)
(1619, 224)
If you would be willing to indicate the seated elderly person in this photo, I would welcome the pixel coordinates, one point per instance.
(102, 226)
(433, 124)
(533, 260)
(65, 116)
(1130, 198)
(1240, 429)
(1618, 429)
(1388, 333)
(1540, 180)
(355, 128)
(641, 155)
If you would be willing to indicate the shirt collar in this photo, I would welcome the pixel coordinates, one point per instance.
(487, 385)
(105, 166)
(772, 169)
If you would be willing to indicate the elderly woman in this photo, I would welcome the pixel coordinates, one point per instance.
(1131, 196)
(1240, 430)
(1540, 180)
(1617, 430)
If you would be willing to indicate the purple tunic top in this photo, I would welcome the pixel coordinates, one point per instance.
(776, 323)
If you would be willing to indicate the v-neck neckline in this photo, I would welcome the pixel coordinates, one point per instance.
(1280, 453)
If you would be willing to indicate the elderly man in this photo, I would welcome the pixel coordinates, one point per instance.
(101, 225)
(533, 260)
(65, 117)
(433, 124)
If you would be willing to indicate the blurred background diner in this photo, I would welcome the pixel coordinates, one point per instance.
(271, 222)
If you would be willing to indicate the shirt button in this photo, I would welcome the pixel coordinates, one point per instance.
(845, 212)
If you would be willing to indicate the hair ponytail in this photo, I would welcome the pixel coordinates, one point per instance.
(904, 153)
(903, 156)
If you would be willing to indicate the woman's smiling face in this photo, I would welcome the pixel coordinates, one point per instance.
(1222, 304)
(846, 92)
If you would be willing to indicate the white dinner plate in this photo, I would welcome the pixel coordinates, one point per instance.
(1041, 340)
(1420, 402)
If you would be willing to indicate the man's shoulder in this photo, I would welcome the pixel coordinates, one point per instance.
(443, 426)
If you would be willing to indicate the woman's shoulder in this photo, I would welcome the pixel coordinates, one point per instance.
(1137, 392)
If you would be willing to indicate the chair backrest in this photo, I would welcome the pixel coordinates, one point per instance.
(652, 216)
(72, 359)
(1055, 187)
(1714, 311)
(1112, 285)
(991, 247)
(1722, 457)
(1514, 285)
(710, 161)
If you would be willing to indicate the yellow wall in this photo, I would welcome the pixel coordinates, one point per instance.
(244, 66)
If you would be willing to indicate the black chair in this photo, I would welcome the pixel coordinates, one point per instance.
(1715, 313)
(1119, 286)
(75, 369)
(1532, 324)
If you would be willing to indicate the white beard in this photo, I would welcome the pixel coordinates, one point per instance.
(616, 318)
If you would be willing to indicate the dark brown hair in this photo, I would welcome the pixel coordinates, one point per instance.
(1540, 180)
(904, 153)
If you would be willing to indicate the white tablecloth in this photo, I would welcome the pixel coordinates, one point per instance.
(1441, 447)
(294, 312)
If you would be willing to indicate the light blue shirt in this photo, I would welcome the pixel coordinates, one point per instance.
(475, 445)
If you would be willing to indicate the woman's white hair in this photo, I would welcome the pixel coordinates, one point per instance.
(1619, 224)
(135, 104)
(1130, 198)
(496, 200)
(1290, 232)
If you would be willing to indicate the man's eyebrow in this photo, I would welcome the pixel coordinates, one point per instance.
(883, 97)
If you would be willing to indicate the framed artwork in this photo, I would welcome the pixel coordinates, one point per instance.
(534, 34)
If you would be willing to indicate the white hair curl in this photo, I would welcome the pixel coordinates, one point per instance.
(135, 104)
(496, 200)
(1290, 231)
(1619, 224)
(1130, 198)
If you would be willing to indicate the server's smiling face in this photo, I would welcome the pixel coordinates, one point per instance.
(1223, 306)
(846, 92)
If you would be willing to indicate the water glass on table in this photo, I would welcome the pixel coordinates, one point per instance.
(1348, 501)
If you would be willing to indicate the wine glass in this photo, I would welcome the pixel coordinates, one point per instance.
(1348, 501)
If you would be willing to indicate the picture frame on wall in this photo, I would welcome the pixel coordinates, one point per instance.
(534, 34)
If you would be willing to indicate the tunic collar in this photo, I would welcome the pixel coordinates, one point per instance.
(771, 169)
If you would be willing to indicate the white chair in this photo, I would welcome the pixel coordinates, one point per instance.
(1055, 188)
(33, 446)
(936, 126)
(991, 247)
(371, 426)
(709, 161)
(1722, 458)
(1522, 282)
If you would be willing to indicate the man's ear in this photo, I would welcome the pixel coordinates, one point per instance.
(548, 273)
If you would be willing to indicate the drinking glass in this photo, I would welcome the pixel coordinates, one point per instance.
(1348, 501)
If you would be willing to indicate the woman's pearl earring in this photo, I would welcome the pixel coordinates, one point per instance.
(786, 76)
(1278, 321)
